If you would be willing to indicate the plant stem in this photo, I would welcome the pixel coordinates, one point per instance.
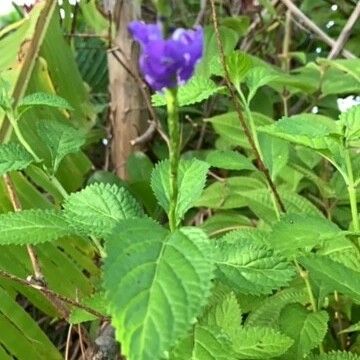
(14, 123)
(174, 152)
(352, 191)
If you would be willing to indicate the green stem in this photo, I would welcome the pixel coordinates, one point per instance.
(174, 152)
(352, 191)
(14, 123)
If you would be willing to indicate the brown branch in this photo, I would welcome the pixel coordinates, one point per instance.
(345, 33)
(15, 201)
(49, 293)
(146, 136)
(314, 28)
(260, 163)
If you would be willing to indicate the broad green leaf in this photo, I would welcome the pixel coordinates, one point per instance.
(225, 314)
(306, 328)
(45, 99)
(335, 355)
(268, 312)
(350, 121)
(228, 126)
(230, 160)
(13, 157)
(331, 275)
(238, 64)
(60, 139)
(204, 343)
(309, 130)
(296, 232)
(260, 343)
(275, 153)
(225, 221)
(32, 227)
(96, 209)
(195, 90)
(191, 182)
(156, 284)
(239, 24)
(257, 77)
(251, 268)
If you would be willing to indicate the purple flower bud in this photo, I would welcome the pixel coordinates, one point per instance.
(165, 63)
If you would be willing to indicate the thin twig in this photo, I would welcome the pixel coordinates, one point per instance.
(146, 136)
(201, 13)
(15, 201)
(50, 293)
(314, 28)
(68, 339)
(345, 33)
(247, 132)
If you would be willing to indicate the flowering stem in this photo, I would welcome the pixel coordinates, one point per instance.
(174, 152)
(352, 191)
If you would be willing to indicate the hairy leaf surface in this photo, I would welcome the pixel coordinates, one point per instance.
(13, 157)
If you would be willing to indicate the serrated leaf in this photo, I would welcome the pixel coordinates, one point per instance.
(45, 99)
(204, 343)
(13, 157)
(96, 209)
(332, 275)
(225, 314)
(257, 77)
(335, 355)
(194, 91)
(32, 227)
(307, 329)
(288, 236)
(351, 328)
(60, 138)
(267, 314)
(230, 160)
(311, 130)
(238, 64)
(350, 121)
(251, 269)
(191, 182)
(155, 284)
(260, 343)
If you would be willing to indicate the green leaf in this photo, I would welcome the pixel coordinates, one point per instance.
(289, 235)
(335, 355)
(45, 99)
(350, 121)
(238, 64)
(96, 209)
(227, 125)
(307, 329)
(225, 314)
(13, 157)
(268, 313)
(310, 130)
(351, 328)
(230, 160)
(260, 343)
(251, 268)
(204, 343)
(332, 275)
(95, 302)
(60, 139)
(240, 24)
(257, 77)
(191, 182)
(197, 89)
(155, 284)
(275, 152)
(32, 227)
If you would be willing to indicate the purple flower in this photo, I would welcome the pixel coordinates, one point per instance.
(165, 63)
